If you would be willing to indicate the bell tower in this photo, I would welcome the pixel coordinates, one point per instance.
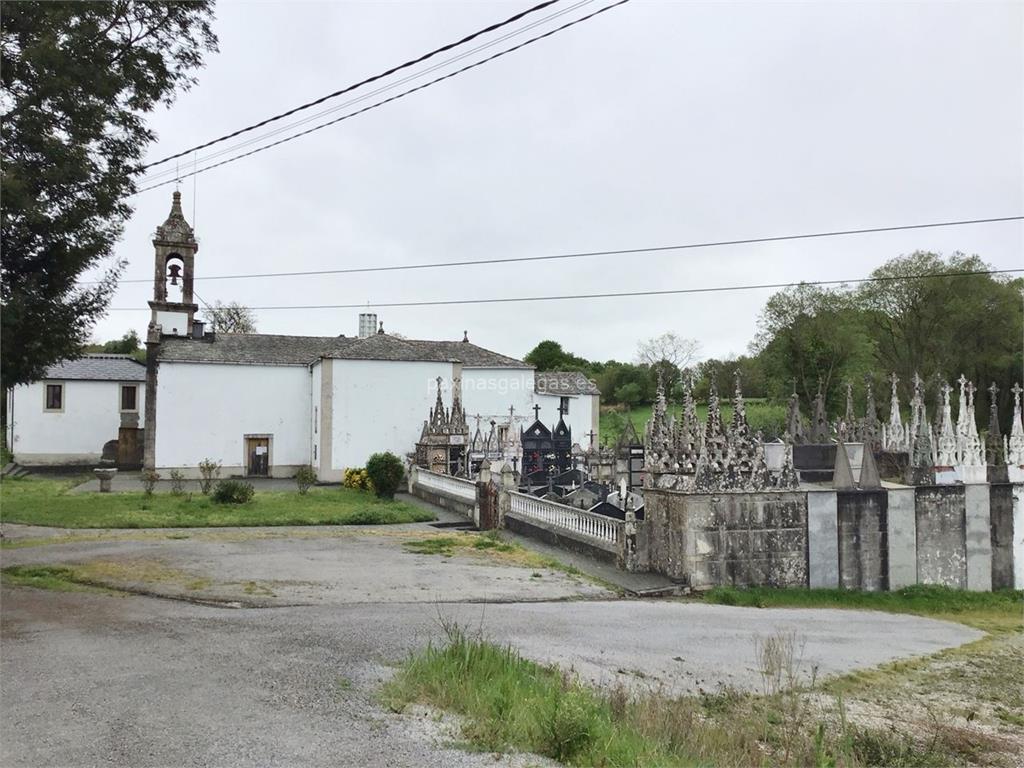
(173, 308)
(175, 249)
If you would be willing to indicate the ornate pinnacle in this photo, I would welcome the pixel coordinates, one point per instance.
(993, 391)
(894, 379)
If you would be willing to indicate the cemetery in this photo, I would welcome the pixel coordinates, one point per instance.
(850, 501)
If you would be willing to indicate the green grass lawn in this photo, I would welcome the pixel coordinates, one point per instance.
(761, 414)
(45, 501)
(1002, 610)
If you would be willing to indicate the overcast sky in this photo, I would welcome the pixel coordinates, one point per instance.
(653, 124)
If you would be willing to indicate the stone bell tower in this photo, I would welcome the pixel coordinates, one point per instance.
(175, 249)
(172, 305)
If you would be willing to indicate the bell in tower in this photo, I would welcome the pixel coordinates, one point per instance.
(175, 249)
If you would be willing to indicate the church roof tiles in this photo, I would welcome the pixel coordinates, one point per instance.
(267, 349)
(98, 367)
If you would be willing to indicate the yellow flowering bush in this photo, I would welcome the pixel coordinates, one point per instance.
(356, 477)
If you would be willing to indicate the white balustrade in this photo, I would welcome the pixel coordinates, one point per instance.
(589, 524)
(447, 485)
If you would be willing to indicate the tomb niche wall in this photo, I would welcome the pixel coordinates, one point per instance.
(863, 539)
(1001, 501)
(728, 539)
(941, 529)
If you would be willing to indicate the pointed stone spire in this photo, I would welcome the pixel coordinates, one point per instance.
(849, 418)
(917, 408)
(842, 474)
(457, 422)
(961, 412)
(819, 427)
(658, 450)
(794, 422)
(438, 418)
(713, 425)
(922, 449)
(788, 479)
(896, 440)
(972, 455)
(870, 427)
(946, 453)
(869, 477)
(739, 409)
(994, 439)
(1015, 442)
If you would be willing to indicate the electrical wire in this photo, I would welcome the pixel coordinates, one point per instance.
(155, 175)
(591, 254)
(349, 88)
(619, 294)
(388, 100)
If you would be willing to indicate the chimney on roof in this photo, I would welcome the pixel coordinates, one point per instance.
(367, 324)
(465, 336)
(381, 329)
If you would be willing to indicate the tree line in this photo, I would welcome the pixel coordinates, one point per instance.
(914, 317)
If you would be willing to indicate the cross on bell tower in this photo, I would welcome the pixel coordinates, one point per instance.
(175, 249)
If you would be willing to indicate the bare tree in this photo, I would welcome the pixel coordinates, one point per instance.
(669, 347)
(231, 318)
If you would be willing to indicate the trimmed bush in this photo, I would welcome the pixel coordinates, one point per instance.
(305, 478)
(356, 477)
(150, 477)
(209, 470)
(386, 472)
(177, 482)
(233, 492)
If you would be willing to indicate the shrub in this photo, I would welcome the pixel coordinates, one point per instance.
(386, 472)
(357, 478)
(177, 482)
(233, 492)
(150, 477)
(209, 470)
(305, 478)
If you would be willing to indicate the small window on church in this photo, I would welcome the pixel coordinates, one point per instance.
(54, 397)
(564, 405)
(129, 397)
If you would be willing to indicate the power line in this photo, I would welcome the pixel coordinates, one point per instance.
(365, 97)
(347, 89)
(384, 101)
(620, 294)
(591, 254)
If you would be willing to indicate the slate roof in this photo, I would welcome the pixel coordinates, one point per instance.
(98, 367)
(563, 383)
(266, 349)
(251, 348)
(383, 346)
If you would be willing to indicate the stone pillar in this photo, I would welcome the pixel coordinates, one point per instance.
(508, 484)
(152, 368)
(978, 537)
(822, 540)
(1018, 536)
(902, 537)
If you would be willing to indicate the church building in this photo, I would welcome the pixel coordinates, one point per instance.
(263, 404)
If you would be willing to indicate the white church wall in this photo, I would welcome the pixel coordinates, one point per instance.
(314, 417)
(381, 405)
(205, 410)
(89, 417)
(490, 391)
(582, 416)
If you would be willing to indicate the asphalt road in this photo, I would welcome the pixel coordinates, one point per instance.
(96, 679)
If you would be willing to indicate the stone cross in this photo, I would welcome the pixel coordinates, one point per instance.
(511, 414)
(1016, 390)
(993, 391)
(894, 379)
(591, 434)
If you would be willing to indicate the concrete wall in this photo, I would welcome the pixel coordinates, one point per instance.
(863, 540)
(741, 539)
(206, 410)
(1002, 535)
(91, 415)
(940, 515)
(901, 537)
(381, 406)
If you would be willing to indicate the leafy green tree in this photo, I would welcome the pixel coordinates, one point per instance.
(77, 81)
(814, 337)
(944, 326)
(129, 344)
(631, 394)
(549, 356)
